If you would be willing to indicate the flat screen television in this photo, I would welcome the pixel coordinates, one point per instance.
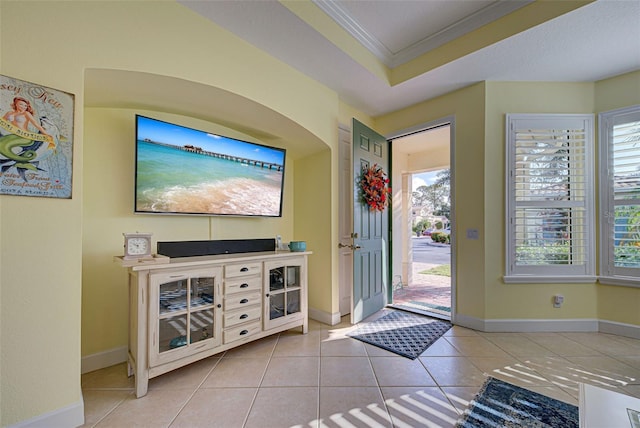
(180, 170)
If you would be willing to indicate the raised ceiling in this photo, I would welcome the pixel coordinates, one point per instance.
(381, 56)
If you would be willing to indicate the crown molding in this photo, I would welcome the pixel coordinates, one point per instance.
(476, 20)
(351, 26)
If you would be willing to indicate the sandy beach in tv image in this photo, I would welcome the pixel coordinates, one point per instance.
(181, 170)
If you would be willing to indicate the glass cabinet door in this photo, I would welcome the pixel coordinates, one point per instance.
(188, 312)
(284, 292)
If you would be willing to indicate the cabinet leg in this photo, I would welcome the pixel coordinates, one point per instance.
(142, 383)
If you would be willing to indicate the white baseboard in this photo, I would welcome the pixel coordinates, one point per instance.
(468, 322)
(68, 416)
(620, 329)
(324, 317)
(536, 325)
(527, 325)
(103, 359)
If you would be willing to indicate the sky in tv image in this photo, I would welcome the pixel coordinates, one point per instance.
(168, 133)
(173, 179)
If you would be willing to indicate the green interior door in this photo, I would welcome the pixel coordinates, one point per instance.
(370, 228)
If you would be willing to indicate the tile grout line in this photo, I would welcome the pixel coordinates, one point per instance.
(197, 388)
(112, 410)
(264, 373)
(375, 376)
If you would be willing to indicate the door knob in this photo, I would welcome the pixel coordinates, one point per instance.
(353, 247)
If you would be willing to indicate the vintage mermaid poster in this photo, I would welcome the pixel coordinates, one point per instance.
(36, 139)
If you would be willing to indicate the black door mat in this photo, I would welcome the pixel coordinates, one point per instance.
(401, 332)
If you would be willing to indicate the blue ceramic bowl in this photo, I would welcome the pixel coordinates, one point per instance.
(298, 246)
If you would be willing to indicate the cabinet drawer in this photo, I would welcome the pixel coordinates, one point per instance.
(242, 284)
(243, 315)
(242, 269)
(240, 300)
(241, 332)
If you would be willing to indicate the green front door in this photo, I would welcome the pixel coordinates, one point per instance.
(370, 228)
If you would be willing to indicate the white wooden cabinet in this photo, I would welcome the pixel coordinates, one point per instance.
(195, 307)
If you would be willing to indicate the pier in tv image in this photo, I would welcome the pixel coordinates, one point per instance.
(180, 170)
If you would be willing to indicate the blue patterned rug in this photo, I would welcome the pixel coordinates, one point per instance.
(402, 333)
(500, 404)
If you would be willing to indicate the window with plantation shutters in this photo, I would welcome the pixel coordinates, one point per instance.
(620, 196)
(549, 192)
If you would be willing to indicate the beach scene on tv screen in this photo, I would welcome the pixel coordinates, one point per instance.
(181, 170)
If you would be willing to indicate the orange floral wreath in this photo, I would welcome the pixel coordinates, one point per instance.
(375, 191)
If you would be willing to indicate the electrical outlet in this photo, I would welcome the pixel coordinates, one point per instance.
(472, 234)
(558, 300)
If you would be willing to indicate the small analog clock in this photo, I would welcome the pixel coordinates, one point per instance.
(137, 245)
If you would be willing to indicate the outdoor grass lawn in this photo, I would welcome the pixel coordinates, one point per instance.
(442, 270)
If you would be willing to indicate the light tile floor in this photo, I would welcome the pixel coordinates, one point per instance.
(325, 379)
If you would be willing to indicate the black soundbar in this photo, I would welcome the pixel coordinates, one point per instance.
(212, 248)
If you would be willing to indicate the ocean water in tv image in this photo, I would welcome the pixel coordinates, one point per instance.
(171, 180)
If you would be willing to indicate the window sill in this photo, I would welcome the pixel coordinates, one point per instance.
(624, 281)
(539, 279)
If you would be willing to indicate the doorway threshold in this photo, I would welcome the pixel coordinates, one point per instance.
(420, 310)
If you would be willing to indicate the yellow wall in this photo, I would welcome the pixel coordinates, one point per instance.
(314, 207)
(41, 249)
(508, 301)
(55, 251)
(617, 92)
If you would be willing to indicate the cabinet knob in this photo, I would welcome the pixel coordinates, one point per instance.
(267, 295)
(219, 305)
(244, 301)
(243, 316)
(243, 332)
(245, 285)
(244, 269)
